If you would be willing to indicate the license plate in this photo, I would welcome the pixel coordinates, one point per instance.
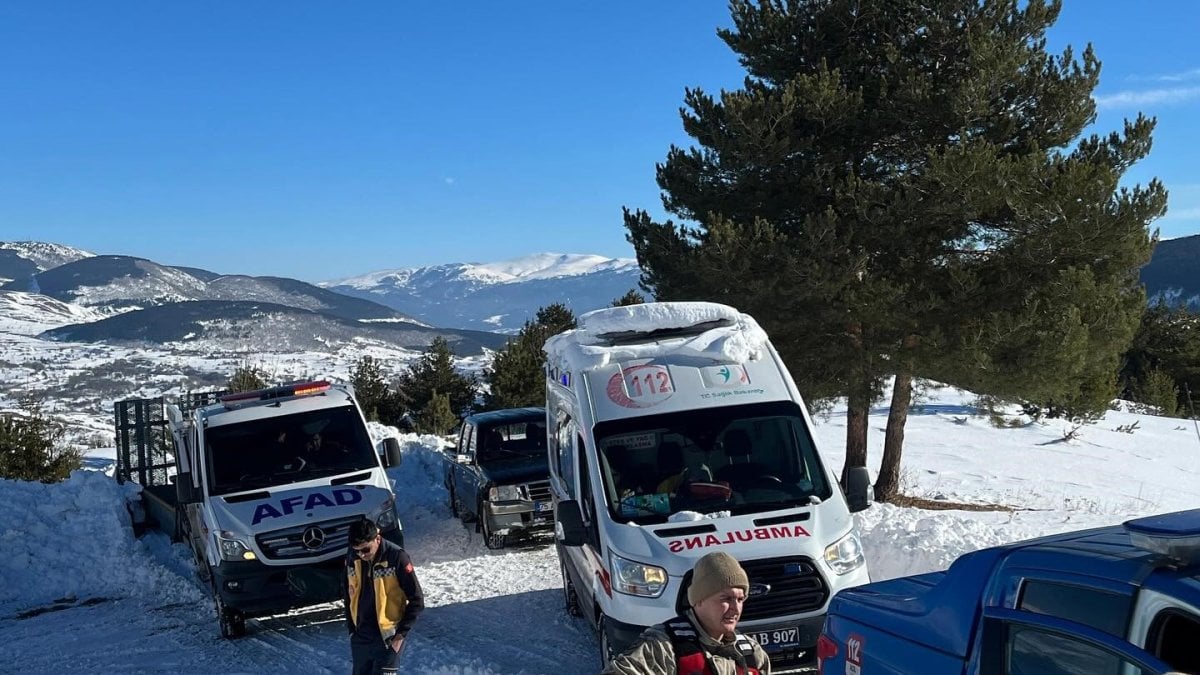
(777, 639)
(543, 506)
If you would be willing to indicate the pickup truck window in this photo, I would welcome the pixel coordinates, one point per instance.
(1033, 651)
(1173, 637)
(1099, 609)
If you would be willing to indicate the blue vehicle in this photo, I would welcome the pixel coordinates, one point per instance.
(497, 475)
(1121, 600)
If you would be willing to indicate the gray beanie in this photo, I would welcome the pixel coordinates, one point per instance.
(714, 573)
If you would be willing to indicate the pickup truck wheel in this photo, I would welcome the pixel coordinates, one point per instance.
(570, 597)
(490, 539)
(233, 624)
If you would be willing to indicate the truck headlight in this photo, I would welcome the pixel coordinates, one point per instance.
(233, 547)
(385, 515)
(846, 554)
(634, 578)
(504, 493)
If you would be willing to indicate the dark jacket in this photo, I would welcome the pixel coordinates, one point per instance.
(398, 597)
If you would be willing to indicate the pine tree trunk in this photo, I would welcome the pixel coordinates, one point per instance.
(887, 486)
(858, 405)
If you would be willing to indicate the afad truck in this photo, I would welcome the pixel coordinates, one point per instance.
(263, 486)
(1119, 600)
(673, 430)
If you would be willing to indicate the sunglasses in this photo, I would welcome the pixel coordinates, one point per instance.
(364, 549)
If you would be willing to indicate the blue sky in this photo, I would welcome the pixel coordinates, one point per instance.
(320, 140)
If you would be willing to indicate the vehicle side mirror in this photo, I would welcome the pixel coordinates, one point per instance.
(391, 452)
(568, 523)
(858, 489)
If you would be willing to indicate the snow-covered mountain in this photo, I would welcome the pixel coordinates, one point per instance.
(498, 296)
(19, 259)
(115, 283)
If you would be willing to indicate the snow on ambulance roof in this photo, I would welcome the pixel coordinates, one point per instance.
(616, 334)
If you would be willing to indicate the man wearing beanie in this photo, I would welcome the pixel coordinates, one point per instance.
(704, 640)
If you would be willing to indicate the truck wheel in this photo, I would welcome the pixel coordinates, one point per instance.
(233, 624)
(570, 598)
(606, 650)
(490, 539)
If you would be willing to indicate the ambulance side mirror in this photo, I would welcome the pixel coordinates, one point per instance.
(858, 489)
(568, 523)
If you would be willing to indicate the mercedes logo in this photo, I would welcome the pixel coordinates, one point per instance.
(313, 537)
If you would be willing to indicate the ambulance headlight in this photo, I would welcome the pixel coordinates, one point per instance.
(634, 578)
(845, 555)
(385, 515)
(233, 547)
(504, 493)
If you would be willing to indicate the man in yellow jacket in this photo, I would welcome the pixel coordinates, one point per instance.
(383, 598)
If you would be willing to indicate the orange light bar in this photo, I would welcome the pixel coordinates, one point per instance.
(294, 389)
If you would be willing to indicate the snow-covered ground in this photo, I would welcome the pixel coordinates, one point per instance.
(79, 592)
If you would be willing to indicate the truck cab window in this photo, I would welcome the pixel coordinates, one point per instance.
(1174, 637)
(1033, 651)
(1093, 607)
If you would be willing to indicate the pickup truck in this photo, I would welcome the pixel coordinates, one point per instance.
(263, 487)
(1116, 600)
(497, 475)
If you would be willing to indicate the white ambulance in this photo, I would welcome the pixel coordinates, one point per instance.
(674, 430)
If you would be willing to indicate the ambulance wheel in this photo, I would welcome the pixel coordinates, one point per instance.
(231, 621)
(570, 597)
(606, 649)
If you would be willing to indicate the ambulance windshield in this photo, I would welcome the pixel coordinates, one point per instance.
(742, 459)
(274, 451)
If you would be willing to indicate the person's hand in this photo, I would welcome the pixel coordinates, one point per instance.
(397, 643)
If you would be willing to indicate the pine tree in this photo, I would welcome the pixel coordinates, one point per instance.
(517, 375)
(370, 386)
(630, 298)
(894, 193)
(555, 317)
(1167, 342)
(31, 447)
(246, 378)
(436, 417)
(434, 372)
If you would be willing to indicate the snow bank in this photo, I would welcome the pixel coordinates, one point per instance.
(75, 539)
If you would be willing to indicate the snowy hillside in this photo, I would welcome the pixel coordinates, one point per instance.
(20, 258)
(498, 296)
(79, 589)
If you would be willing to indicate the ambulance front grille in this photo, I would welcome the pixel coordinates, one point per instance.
(306, 541)
(795, 586)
